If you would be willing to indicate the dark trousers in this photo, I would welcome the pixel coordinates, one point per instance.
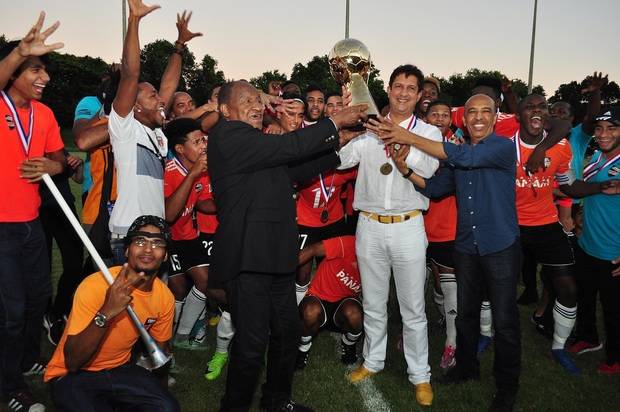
(56, 226)
(498, 273)
(25, 289)
(126, 388)
(264, 311)
(594, 276)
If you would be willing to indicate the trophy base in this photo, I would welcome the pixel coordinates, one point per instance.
(360, 127)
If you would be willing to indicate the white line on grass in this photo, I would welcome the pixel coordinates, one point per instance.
(373, 399)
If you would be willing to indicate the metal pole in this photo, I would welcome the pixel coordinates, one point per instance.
(124, 3)
(529, 79)
(346, 23)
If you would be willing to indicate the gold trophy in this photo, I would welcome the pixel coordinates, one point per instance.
(349, 64)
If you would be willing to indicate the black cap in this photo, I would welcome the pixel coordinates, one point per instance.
(611, 115)
(145, 220)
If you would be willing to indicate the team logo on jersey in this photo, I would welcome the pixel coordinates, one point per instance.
(614, 171)
(9, 121)
(198, 187)
(149, 322)
(547, 162)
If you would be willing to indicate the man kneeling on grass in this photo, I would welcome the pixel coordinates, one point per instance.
(332, 301)
(91, 367)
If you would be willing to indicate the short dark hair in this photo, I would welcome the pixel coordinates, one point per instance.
(408, 70)
(295, 96)
(521, 103)
(215, 86)
(332, 94)
(438, 103)
(177, 130)
(492, 82)
(314, 88)
(8, 48)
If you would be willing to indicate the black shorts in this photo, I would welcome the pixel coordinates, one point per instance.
(206, 239)
(329, 312)
(309, 235)
(440, 253)
(186, 254)
(548, 244)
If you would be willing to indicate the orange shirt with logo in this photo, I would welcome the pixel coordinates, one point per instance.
(337, 276)
(155, 309)
(311, 201)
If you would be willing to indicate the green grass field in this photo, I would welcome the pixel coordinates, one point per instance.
(544, 385)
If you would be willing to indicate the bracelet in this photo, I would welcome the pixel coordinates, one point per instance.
(177, 51)
(178, 43)
(409, 173)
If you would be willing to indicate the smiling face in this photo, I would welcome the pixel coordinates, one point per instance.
(333, 105)
(292, 119)
(479, 116)
(607, 135)
(149, 106)
(181, 104)
(141, 254)
(244, 105)
(31, 82)
(533, 109)
(404, 94)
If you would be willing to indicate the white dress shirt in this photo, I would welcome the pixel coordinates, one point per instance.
(388, 194)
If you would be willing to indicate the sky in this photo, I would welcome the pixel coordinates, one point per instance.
(573, 38)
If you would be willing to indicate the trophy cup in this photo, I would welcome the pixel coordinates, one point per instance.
(349, 64)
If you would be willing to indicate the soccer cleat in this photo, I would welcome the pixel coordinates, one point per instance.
(23, 401)
(581, 347)
(424, 394)
(188, 343)
(37, 368)
(215, 365)
(561, 356)
(541, 327)
(302, 360)
(359, 374)
(607, 369)
(483, 343)
(54, 329)
(200, 336)
(448, 359)
(349, 353)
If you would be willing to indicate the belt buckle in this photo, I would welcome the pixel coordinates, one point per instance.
(383, 219)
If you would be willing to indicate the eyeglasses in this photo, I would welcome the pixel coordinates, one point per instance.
(155, 243)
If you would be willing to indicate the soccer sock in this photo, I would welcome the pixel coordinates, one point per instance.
(350, 338)
(178, 309)
(194, 305)
(438, 298)
(486, 319)
(304, 343)
(225, 332)
(300, 291)
(564, 319)
(448, 287)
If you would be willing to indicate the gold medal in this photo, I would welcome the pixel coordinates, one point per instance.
(385, 169)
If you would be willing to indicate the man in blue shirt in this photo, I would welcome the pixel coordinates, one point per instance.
(487, 248)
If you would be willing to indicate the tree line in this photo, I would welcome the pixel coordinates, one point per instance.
(74, 77)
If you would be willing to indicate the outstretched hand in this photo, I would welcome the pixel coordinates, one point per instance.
(185, 34)
(33, 43)
(595, 82)
(388, 131)
(138, 9)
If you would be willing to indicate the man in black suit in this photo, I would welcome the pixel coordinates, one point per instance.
(256, 245)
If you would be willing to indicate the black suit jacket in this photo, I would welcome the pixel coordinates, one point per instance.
(251, 175)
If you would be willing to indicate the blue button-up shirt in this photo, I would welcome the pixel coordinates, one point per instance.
(483, 176)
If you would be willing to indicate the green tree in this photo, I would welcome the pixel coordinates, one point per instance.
(261, 82)
(3, 40)
(154, 58)
(203, 78)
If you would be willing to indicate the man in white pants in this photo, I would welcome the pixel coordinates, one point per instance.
(390, 235)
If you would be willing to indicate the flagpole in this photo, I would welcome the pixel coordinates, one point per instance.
(346, 22)
(529, 79)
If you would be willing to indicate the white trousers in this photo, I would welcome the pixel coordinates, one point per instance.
(402, 248)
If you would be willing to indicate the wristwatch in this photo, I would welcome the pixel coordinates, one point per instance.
(409, 173)
(101, 321)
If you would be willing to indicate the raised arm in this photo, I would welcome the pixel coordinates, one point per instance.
(593, 88)
(33, 44)
(130, 66)
(172, 73)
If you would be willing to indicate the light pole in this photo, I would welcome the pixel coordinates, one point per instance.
(346, 22)
(529, 79)
(124, 4)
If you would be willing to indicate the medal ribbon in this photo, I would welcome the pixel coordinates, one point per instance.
(593, 168)
(326, 194)
(25, 138)
(518, 145)
(180, 165)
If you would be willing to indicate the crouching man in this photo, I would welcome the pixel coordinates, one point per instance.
(91, 367)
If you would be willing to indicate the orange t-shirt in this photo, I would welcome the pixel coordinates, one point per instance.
(311, 201)
(20, 200)
(183, 228)
(155, 309)
(440, 220)
(337, 276)
(207, 223)
(506, 125)
(535, 206)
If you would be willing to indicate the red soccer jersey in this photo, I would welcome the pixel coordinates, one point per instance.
(507, 124)
(20, 200)
(337, 276)
(440, 220)
(207, 223)
(311, 201)
(183, 228)
(535, 206)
